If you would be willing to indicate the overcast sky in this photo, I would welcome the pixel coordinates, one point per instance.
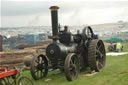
(36, 13)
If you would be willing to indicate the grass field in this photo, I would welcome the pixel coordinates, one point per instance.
(115, 73)
(125, 46)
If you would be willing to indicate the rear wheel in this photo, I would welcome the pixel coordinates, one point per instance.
(96, 55)
(71, 67)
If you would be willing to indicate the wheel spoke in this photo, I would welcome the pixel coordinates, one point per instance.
(42, 73)
(71, 62)
(101, 65)
(35, 65)
(36, 70)
(38, 74)
(99, 52)
(36, 61)
(99, 46)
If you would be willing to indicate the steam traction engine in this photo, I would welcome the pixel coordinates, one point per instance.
(69, 52)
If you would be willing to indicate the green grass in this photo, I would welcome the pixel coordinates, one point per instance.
(125, 46)
(115, 73)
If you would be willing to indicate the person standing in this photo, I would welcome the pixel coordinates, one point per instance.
(110, 47)
(118, 47)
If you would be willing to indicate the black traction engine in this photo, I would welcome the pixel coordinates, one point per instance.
(69, 52)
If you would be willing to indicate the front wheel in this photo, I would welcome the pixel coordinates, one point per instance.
(71, 67)
(39, 67)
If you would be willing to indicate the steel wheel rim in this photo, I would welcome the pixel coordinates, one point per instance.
(71, 67)
(100, 55)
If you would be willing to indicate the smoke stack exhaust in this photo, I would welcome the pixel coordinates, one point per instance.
(54, 17)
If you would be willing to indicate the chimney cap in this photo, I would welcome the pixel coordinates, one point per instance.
(54, 8)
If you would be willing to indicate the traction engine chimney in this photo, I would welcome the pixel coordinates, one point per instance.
(54, 17)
